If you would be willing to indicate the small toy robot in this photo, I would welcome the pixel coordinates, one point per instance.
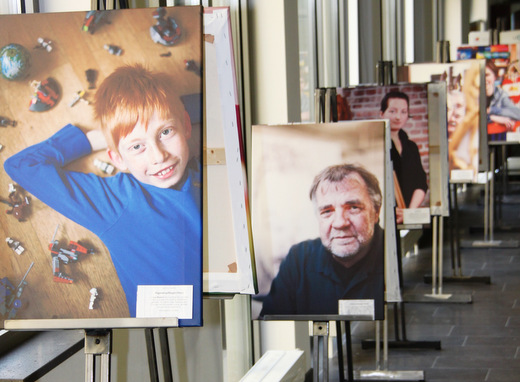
(19, 204)
(93, 296)
(15, 245)
(65, 255)
(113, 49)
(44, 43)
(4, 122)
(192, 66)
(10, 301)
(79, 96)
(93, 19)
(107, 168)
(91, 75)
(166, 31)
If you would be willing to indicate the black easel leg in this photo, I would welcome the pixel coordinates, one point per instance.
(152, 357)
(349, 352)
(165, 354)
(339, 341)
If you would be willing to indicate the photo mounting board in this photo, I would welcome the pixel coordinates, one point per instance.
(286, 158)
(229, 265)
(64, 46)
(467, 144)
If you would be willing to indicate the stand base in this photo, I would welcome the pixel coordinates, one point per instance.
(489, 244)
(439, 298)
(404, 344)
(387, 375)
(460, 279)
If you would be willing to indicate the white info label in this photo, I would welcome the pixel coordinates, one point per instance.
(154, 301)
(356, 308)
(416, 216)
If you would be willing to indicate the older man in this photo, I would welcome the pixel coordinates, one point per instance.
(346, 261)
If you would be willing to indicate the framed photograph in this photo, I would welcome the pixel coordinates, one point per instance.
(101, 168)
(466, 117)
(406, 107)
(318, 197)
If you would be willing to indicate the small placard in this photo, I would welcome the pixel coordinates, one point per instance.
(165, 301)
(356, 308)
(513, 136)
(461, 176)
(416, 215)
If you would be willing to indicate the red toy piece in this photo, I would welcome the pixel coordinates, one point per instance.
(46, 95)
(65, 255)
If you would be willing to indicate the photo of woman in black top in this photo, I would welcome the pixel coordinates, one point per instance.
(411, 181)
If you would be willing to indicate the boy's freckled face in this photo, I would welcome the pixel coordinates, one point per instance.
(157, 155)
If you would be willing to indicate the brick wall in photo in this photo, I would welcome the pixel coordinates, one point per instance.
(364, 102)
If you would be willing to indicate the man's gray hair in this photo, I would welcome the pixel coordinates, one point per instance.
(337, 173)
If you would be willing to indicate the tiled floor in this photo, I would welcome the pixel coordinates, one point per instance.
(480, 341)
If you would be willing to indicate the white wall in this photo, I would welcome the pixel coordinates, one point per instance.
(64, 5)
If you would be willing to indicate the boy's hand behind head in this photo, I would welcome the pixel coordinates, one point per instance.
(97, 140)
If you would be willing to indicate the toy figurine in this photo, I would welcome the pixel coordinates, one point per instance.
(15, 245)
(192, 66)
(107, 168)
(93, 20)
(93, 295)
(165, 31)
(46, 95)
(91, 75)
(18, 203)
(44, 43)
(65, 255)
(113, 49)
(10, 296)
(79, 96)
(4, 122)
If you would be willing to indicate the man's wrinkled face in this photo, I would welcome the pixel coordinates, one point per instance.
(346, 217)
(156, 154)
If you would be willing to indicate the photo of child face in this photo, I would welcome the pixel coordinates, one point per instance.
(397, 113)
(156, 154)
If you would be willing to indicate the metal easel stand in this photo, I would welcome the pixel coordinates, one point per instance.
(381, 372)
(489, 197)
(320, 351)
(437, 295)
(152, 354)
(456, 260)
(98, 342)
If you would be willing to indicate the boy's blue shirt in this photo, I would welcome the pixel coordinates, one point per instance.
(154, 235)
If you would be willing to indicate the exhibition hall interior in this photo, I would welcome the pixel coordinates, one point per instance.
(260, 190)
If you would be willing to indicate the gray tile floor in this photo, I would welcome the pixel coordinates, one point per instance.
(480, 341)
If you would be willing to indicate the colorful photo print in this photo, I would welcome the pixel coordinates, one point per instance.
(101, 175)
(406, 107)
(502, 84)
(318, 217)
(463, 79)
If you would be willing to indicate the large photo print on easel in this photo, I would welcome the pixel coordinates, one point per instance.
(406, 107)
(463, 81)
(101, 166)
(318, 216)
